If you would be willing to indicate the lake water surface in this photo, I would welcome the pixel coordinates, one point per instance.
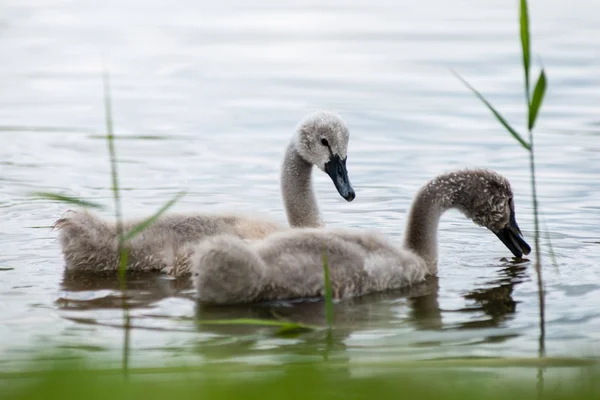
(205, 99)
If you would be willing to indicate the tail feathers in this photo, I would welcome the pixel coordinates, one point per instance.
(60, 223)
(65, 220)
(86, 242)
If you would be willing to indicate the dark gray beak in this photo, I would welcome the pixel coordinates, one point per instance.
(336, 169)
(512, 237)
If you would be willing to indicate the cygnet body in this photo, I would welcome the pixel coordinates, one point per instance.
(286, 265)
(89, 243)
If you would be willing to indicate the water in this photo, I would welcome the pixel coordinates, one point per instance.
(206, 97)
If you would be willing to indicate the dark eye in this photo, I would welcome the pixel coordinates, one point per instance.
(324, 142)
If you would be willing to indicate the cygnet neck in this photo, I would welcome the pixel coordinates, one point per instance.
(431, 201)
(297, 191)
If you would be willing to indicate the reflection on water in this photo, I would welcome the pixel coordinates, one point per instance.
(142, 290)
(205, 99)
(493, 300)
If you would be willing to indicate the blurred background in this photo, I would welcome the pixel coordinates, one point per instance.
(206, 96)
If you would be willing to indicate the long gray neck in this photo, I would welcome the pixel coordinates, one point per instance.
(297, 191)
(423, 220)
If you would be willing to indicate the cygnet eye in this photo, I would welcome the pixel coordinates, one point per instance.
(324, 142)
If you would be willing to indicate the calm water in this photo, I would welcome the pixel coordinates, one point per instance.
(205, 99)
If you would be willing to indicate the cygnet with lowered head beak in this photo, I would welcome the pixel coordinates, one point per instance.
(289, 264)
(89, 243)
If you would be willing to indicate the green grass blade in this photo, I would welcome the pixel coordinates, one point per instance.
(123, 253)
(66, 199)
(496, 113)
(284, 326)
(150, 220)
(243, 321)
(293, 328)
(552, 253)
(550, 246)
(525, 44)
(328, 292)
(538, 98)
(123, 258)
(112, 155)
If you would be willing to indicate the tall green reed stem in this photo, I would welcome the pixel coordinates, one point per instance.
(328, 292)
(328, 305)
(122, 236)
(533, 106)
(123, 252)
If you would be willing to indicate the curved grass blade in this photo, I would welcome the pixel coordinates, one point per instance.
(537, 99)
(110, 136)
(293, 328)
(525, 44)
(328, 292)
(246, 321)
(550, 247)
(123, 257)
(285, 327)
(552, 253)
(496, 113)
(149, 221)
(67, 199)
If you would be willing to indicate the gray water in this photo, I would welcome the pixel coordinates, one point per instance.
(205, 99)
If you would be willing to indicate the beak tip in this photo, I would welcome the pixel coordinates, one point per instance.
(513, 241)
(336, 169)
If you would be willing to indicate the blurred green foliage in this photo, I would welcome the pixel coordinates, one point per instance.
(314, 381)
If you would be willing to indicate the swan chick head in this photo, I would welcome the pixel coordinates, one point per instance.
(226, 270)
(322, 140)
(486, 198)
